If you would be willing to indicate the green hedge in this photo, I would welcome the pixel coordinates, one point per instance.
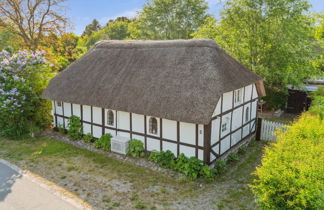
(291, 174)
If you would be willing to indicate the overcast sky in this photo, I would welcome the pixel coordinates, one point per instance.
(82, 12)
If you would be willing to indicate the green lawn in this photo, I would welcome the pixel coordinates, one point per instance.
(108, 183)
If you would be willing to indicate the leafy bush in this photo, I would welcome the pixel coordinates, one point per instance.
(75, 128)
(232, 157)
(60, 129)
(23, 77)
(136, 148)
(191, 167)
(220, 166)
(103, 142)
(292, 172)
(87, 138)
(164, 159)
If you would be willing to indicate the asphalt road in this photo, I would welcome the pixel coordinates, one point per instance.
(20, 192)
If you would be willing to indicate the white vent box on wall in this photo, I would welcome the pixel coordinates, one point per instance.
(119, 144)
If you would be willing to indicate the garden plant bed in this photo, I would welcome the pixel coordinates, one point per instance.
(108, 180)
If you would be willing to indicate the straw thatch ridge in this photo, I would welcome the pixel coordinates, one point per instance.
(178, 80)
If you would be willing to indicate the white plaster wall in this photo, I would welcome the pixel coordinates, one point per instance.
(112, 132)
(254, 109)
(255, 93)
(153, 144)
(252, 126)
(216, 149)
(187, 151)
(86, 128)
(246, 130)
(227, 101)
(67, 109)
(169, 129)
(212, 157)
(200, 154)
(201, 135)
(138, 123)
(123, 120)
(217, 110)
(97, 131)
(169, 146)
(124, 134)
(58, 109)
(106, 118)
(225, 144)
(66, 121)
(86, 113)
(226, 118)
(188, 133)
(237, 118)
(148, 126)
(215, 131)
(97, 115)
(60, 121)
(236, 137)
(76, 110)
(248, 91)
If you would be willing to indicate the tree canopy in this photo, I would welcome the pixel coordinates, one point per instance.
(92, 27)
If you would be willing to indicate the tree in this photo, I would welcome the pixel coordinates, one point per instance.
(92, 27)
(270, 37)
(32, 19)
(169, 19)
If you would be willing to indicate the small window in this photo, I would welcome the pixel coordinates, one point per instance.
(59, 103)
(224, 127)
(237, 96)
(110, 117)
(153, 125)
(247, 114)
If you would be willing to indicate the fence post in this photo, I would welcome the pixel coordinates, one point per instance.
(258, 131)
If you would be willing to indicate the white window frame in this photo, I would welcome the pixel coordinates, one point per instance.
(247, 114)
(113, 120)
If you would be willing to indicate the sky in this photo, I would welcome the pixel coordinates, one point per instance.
(82, 12)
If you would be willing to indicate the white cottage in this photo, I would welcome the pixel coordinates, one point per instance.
(186, 96)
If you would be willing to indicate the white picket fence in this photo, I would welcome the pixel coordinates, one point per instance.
(268, 128)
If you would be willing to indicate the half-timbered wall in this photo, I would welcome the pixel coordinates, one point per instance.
(178, 137)
(234, 119)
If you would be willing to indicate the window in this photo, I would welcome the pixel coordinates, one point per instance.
(59, 103)
(247, 114)
(237, 96)
(153, 125)
(224, 127)
(110, 117)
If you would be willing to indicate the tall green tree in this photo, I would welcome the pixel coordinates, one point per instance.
(92, 27)
(270, 37)
(169, 19)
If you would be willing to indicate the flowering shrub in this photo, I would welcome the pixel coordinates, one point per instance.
(23, 76)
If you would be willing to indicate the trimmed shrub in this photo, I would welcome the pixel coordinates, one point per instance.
(136, 148)
(103, 142)
(88, 138)
(291, 175)
(75, 128)
(164, 159)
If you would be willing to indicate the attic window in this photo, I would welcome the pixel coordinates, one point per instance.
(153, 125)
(110, 117)
(224, 124)
(59, 103)
(237, 96)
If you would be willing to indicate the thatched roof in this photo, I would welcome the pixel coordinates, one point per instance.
(179, 80)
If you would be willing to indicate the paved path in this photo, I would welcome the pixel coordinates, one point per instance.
(23, 191)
